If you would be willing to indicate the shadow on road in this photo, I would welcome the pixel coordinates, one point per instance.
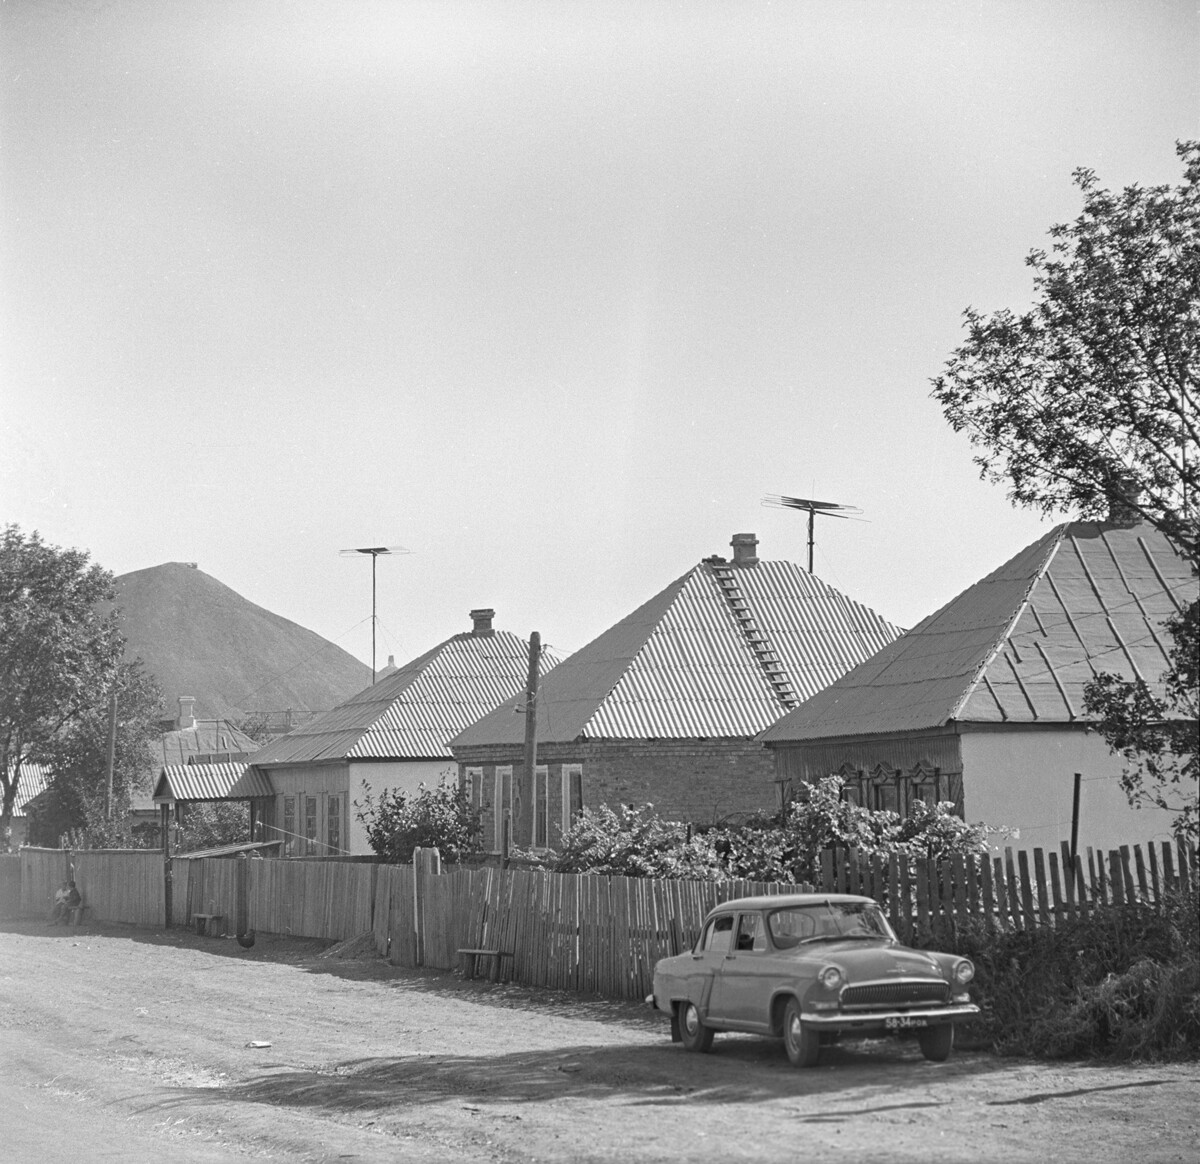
(863, 1076)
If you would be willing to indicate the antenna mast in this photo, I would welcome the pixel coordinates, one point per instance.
(374, 551)
(812, 508)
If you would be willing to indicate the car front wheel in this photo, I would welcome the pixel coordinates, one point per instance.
(693, 1034)
(803, 1043)
(936, 1042)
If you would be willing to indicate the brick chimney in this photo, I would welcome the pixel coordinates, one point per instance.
(482, 620)
(187, 717)
(745, 549)
(1122, 503)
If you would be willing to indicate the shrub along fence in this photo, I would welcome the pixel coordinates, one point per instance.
(582, 932)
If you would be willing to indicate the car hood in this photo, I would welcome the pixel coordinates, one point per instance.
(863, 960)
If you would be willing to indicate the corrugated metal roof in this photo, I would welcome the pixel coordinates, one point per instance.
(34, 780)
(1020, 645)
(414, 711)
(230, 781)
(682, 665)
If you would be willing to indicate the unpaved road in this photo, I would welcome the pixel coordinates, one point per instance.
(132, 1045)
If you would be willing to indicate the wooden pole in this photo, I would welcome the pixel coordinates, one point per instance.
(812, 520)
(112, 754)
(164, 811)
(524, 806)
(1075, 820)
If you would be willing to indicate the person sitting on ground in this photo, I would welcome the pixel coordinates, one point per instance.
(72, 901)
(60, 899)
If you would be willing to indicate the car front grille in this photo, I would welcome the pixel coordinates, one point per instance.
(888, 994)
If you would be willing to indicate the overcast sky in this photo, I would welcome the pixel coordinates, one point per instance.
(551, 293)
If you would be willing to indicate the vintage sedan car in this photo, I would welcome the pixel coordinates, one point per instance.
(805, 968)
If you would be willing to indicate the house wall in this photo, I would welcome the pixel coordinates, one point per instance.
(386, 776)
(1025, 780)
(308, 785)
(693, 780)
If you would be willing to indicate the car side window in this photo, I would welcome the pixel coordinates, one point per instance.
(750, 934)
(718, 934)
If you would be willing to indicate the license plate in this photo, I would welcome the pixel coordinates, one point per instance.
(902, 1022)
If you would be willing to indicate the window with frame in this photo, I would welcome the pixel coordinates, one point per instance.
(333, 823)
(310, 825)
(502, 781)
(541, 806)
(718, 935)
(750, 933)
(473, 786)
(572, 794)
(289, 825)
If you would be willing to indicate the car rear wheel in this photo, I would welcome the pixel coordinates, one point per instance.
(694, 1035)
(936, 1042)
(803, 1043)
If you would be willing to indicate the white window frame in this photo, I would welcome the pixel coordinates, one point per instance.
(473, 780)
(541, 803)
(503, 772)
(569, 770)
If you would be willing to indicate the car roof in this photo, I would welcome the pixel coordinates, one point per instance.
(783, 900)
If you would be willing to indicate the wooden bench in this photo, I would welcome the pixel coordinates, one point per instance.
(79, 914)
(208, 924)
(468, 961)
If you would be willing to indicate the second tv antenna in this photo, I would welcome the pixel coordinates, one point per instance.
(812, 508)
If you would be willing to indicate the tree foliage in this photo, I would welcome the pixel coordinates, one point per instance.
(207, 826)
(1089, 400)
(58, 650)
(77, 760)
(440, 818)
(1158, 736)
(1090, 397)
(636, 842)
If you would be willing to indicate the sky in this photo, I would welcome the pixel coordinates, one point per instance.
(551, 294)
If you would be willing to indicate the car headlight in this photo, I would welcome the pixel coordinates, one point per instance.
(963, 972)
(830, 978)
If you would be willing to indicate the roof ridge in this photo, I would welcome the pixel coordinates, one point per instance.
(1055, 538)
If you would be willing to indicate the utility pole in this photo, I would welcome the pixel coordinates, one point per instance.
(526, 808)
(112, 754)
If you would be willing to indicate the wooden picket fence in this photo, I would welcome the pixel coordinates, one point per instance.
(10, 885)
(582, 932)
(1015, 892)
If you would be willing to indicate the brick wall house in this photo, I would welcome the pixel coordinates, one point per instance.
(664, 706)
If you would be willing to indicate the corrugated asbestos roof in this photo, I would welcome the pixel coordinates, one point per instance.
(682, 666)
(1020, 645)
(35, 778)
(230, 781)
(414, 711)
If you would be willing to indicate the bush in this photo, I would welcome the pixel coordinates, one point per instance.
(1123, 983)
(440, 818)
(207, 826)
(637, 842)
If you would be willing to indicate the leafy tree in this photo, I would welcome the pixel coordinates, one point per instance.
(1158, 736)
(1089, 399)
(58, 650)
(206, 826)
(77, 759)
(440, 818)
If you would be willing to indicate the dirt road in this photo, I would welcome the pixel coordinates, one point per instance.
(133, 1045)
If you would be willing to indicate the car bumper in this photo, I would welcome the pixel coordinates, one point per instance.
(898, 1019)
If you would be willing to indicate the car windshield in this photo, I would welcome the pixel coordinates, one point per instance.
(828, 921)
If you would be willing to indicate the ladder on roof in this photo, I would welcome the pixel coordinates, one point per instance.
(769, 661)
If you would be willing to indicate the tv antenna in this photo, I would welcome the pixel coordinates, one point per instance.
(375, 552)
(812, 508)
